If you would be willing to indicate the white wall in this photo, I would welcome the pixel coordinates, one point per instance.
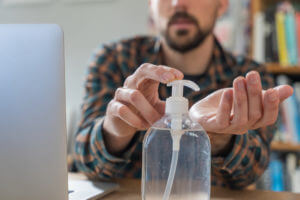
(86, 25)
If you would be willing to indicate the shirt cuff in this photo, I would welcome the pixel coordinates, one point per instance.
(232, 161)
(98, 142)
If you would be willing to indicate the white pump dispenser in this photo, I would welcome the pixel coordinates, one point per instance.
(176, 150)
(176, 106)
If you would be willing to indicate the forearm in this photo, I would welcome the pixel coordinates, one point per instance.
(92, 156)
(93, 148)
(116, 138)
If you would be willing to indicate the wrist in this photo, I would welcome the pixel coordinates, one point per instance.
(221, 144)
(115, 141)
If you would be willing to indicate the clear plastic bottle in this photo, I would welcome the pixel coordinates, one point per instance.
(176, 153)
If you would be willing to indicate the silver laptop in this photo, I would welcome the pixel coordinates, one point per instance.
(32, 115)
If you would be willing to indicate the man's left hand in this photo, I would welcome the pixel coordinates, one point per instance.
(234, 111)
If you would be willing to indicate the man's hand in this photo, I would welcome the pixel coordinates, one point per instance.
(236, 110)
(136, 106)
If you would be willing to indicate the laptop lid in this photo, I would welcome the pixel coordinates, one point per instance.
(32, 113)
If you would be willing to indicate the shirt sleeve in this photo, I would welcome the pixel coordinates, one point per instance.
(91, 155)
(250, 153)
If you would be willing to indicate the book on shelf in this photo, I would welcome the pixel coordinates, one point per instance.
(259, 24)
(281, 38)
(290, 27)
(298, 31)
(277, 175)
(282, 174)
(278, 28)
(271, 53)
(289, 127)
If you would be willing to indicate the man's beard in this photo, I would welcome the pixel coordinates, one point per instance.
(192, 43)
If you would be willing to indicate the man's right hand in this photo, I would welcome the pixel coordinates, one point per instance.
(136, 105)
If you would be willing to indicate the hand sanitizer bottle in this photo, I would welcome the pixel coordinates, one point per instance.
(176, 153)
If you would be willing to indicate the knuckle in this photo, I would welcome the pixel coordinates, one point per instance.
(255, 115)
(118, 92)
(121, 110)
(128, 80)
(144, 65)
(109, 106)
(135, 96)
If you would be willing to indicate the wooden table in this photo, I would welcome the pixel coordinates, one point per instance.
(131, 190)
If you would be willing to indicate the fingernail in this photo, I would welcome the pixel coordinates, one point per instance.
(167, 76)
(240, 84)
(273, 96)
(178, 74)
(253, 79)
(228, 95)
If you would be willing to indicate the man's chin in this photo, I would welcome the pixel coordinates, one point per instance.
(181, 45)
(182, 40)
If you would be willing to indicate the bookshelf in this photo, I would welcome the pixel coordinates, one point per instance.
(274, 68)
(285, 147)
(283, 169)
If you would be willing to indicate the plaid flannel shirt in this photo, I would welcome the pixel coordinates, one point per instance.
(110, 66)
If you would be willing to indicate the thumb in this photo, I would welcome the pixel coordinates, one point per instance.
(284, 91)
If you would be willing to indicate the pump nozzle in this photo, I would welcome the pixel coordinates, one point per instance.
(177, 87)
(177, 103)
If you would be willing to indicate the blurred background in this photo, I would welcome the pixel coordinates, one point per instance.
(86, 25)
(266, 30)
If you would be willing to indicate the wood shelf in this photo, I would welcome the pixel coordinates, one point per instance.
(276, 68)
(285, 147)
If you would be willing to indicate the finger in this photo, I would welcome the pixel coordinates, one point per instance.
(223, 116)
(254, 93)
(157, 73)
(240, 106)
(284, 91)
(270, 104)
(160, 106)
(137, 99)
(124, 113)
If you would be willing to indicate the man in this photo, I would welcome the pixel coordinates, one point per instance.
(124, 96)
